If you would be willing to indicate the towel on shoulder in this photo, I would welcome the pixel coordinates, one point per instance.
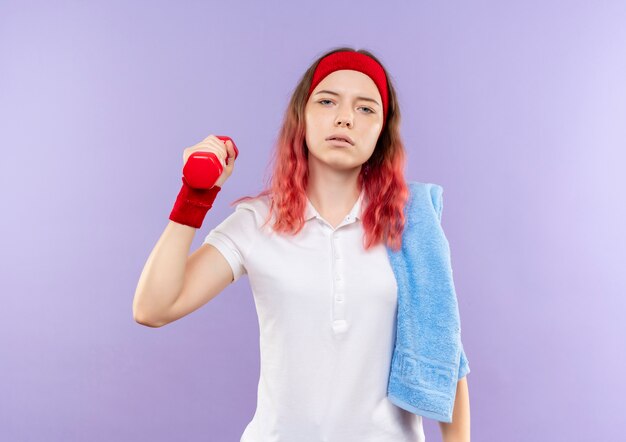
(428, 357)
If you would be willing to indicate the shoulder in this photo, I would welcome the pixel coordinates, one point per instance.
(425, 196)
(257, 208)
(424, 191)
(244, 223)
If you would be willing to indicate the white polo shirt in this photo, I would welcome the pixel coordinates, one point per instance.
(327, 312)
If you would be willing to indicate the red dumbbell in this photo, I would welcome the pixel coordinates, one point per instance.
(202, 169)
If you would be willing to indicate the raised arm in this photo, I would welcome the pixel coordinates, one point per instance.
(172, 284)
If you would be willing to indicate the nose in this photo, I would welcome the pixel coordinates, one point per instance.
(344, 117)
(343, 120)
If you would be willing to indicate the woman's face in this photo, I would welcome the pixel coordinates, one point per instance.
(344, 109)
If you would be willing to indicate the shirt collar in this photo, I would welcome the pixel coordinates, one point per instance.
(355, 213)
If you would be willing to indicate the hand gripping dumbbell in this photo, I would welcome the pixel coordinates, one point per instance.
(202, 169)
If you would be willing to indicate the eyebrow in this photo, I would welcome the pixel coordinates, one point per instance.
(358, 98)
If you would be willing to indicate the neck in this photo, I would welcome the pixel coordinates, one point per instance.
(333, 192)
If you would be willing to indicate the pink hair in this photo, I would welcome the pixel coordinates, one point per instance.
(386, 191)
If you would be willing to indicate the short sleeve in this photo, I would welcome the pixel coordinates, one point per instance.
(234, 237)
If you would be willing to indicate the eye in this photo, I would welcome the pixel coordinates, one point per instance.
(369, 111)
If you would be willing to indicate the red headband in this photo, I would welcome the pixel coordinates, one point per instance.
(355, 61)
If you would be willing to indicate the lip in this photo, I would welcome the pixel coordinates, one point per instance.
(350, 141)
(339, 143)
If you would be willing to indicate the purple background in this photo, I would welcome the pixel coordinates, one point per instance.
(518, 109)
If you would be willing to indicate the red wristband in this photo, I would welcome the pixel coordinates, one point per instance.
(192, 204)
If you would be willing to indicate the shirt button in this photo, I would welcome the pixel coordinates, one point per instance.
(340, 325)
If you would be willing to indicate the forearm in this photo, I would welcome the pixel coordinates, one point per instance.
(459, 429)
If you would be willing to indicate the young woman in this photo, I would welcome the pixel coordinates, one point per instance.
(313, 247)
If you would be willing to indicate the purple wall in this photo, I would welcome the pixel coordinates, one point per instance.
(518, 110)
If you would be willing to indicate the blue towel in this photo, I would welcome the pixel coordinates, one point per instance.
(428, 357)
